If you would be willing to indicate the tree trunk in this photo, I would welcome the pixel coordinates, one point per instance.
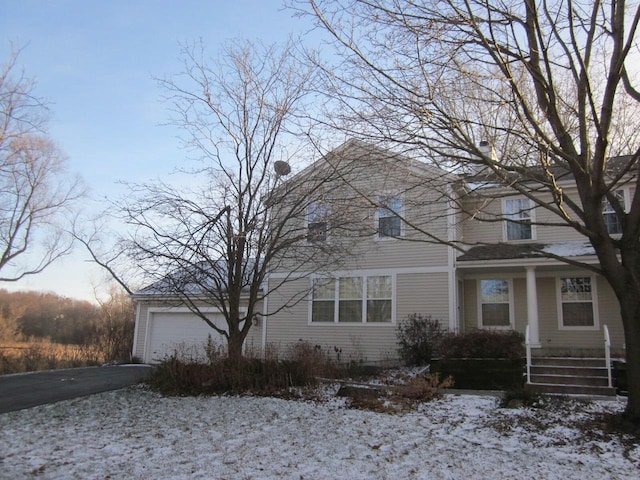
(630, 310)
(236, 340)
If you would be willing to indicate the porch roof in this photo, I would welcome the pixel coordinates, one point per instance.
(512, 251)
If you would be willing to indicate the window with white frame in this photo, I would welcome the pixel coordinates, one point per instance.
(317, 222)
(576, 302)
(388, 216)
(324, 297)
(354, 299)
(611, 218)
(379, 299)
(518, 213)
(350, 299)
(495, 304)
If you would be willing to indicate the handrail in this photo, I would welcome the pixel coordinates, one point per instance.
(607, 353)
(527, 344)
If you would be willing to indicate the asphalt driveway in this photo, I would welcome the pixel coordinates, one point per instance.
(27, 390)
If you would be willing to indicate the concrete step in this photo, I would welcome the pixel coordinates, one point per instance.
(595, 381)
(569, 361)
(570, 389)
(569, 370)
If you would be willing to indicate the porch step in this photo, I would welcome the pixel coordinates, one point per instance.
(569, 376)
(570, 389)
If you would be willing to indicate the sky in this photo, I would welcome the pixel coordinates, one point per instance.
(96, 62)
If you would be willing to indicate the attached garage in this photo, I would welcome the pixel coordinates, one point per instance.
(178, 330)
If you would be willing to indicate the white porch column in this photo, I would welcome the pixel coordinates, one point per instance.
(532, 308)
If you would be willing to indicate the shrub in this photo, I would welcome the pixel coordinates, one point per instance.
(424, 388)
(303, 363)
(483, 344)
(419, 339)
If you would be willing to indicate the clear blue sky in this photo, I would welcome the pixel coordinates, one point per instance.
(95, 62)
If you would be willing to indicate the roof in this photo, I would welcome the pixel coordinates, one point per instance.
(203, 280)
(508, 251)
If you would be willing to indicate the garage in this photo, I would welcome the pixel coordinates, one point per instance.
(181, 331)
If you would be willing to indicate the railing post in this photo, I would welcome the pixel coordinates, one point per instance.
(527, 344)
(607, 353)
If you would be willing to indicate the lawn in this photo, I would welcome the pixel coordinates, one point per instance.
(137, 434)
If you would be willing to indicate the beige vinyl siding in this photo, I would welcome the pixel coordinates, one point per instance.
(425, 293)
(482, 229)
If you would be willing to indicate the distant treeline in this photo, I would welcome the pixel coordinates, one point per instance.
(29, 315)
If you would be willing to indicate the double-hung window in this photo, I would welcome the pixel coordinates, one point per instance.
(611, 218)
(518, 213)
(576, 299)
(324, 297)
(389, 223)
(495, 304)
(317, 222)
(353, 299)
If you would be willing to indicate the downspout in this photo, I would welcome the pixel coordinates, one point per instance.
(265, 303)
(451, 264)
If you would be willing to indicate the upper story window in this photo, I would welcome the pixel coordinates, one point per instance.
(356, 299)
(317, 222)
(389, 223)
(576, 301)
(611, 218)
(495, 304)
(519, 215)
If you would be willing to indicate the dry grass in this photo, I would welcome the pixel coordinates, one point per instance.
(17, 357)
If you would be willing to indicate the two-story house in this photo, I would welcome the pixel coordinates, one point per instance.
(421, 240)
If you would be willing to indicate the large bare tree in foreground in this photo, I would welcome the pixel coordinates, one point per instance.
(37, 195)
(211, 244)
(550, 84)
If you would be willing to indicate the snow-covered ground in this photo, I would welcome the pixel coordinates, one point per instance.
(137, 434)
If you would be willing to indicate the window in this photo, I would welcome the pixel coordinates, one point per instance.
(389, 223)
(317, 222)
(379, 293)
(324, 293)
(356, 299)
(495, 308)
(611, 219)
(350, 299)
(518, 212)
(576, 302)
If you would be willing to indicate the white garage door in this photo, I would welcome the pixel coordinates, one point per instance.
(182, 332)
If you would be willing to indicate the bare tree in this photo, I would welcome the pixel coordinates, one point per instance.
(36, 193)
(550, 84)
(212, 244)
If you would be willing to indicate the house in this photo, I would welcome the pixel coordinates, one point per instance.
(495, 269)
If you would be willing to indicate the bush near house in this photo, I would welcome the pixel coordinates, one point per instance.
(482, 359)
(419, 339)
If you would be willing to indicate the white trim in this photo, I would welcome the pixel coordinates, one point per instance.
(531, 209)
(265, 316)
(454, 322)
(135, 331)
(367, 272)
(594, 303)
(510, 302)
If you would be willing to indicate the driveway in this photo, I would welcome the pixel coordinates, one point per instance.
(27, 390)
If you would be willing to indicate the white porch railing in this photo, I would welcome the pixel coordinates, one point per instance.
(607, 353)
(527, 343)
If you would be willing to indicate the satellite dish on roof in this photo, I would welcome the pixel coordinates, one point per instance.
(282, 168)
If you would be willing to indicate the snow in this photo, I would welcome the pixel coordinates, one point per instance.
(137, 434)
(569, 249)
